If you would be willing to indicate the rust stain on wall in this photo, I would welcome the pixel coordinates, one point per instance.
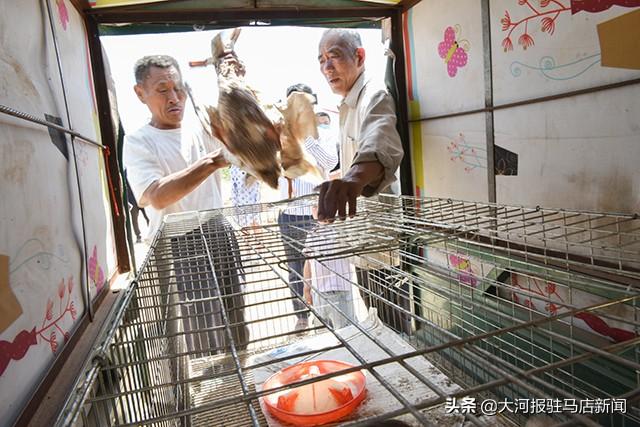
(612, 192)
(615, 193)
(15, 160)
(15, 69)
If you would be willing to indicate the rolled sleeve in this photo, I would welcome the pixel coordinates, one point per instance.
(379, 140)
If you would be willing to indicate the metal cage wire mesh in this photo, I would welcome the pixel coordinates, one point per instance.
(471, 300)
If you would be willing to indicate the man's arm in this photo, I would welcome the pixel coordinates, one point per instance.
(323, 150)
(307, 282)
(336, 194)
(171, 188)
(374, 166)
(379, 140)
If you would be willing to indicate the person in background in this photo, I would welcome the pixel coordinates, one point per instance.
(324, 120)
(134, 210)
(243, 194)
(172, 169)
(370, 155)
(296, 219)
(328, 283)
(324, 123)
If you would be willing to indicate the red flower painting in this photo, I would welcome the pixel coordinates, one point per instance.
(50, 330)
(545, 13)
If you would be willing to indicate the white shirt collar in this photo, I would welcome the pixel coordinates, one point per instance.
(352, 97)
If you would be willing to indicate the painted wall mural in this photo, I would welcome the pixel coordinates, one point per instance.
(466, 274)
(63, 14)
(34, 254)
(96, 274)
(551, 298)
(53, 330)
(474, 157)
(548, 68)
(446, 61)
(544, 296)
(544, 16)
(445, 74)
(545, 13)
(520, 22)
(564, 146)
(595, 6)
(471, 157)
(42, 255)
(569, 46)
(454, 52)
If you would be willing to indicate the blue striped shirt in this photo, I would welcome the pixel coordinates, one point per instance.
(324, 151)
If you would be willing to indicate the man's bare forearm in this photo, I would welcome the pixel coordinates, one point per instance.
(171, 188)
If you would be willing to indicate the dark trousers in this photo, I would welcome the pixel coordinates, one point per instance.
(293, 230)
(134, 209)
(383, 292)
(199, 286)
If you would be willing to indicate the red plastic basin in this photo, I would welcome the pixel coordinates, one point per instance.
(317, 403)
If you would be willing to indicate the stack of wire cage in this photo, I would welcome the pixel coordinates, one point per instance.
(534, 309)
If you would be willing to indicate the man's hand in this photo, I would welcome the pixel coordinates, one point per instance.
(216, 160)
(336, 194)
(334, 197)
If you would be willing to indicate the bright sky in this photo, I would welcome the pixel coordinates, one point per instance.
(275, 58)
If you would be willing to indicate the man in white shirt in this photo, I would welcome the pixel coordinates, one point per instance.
(173, 170)
(170, 169)
(295, 219)
(370, 155)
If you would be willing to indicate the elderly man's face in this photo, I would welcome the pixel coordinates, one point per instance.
(339, 66)
(163, 93)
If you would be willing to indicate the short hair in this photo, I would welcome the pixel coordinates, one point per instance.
(144, 64)
(299, 87)
(350, 39)
(323, 114)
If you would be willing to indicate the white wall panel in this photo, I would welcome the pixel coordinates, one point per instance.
(438, 92)
(41, 232)
(79, 87)
(578, 153)
(455, 158)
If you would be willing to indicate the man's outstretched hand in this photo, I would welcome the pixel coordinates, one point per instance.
(335, 196)
(215, 160)
(339, 196)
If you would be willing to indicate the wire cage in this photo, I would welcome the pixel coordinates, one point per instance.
(458, 313)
